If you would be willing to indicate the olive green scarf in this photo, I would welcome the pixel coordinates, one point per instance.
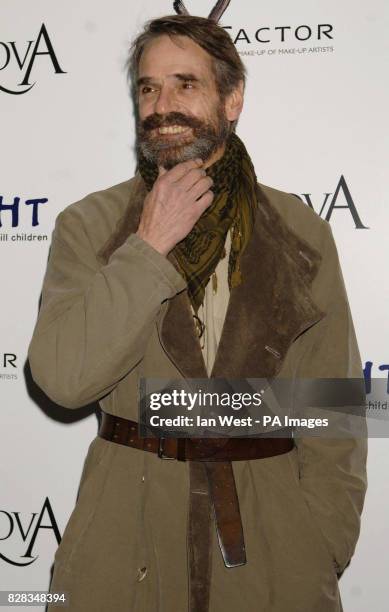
(234, 205)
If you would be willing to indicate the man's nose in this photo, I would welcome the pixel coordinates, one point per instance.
(165, 102)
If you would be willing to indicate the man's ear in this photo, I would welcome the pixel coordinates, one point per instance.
(234, 103)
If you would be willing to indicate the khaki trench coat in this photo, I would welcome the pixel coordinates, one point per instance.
(114, 310)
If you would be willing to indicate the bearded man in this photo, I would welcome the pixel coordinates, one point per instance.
(138, 284)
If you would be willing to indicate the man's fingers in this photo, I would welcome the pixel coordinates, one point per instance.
(201, 187)
(183, 168)
(191, 178)
(205, 201)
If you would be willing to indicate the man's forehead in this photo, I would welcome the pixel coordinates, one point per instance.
(167, 55)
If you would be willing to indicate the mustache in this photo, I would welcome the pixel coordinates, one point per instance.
(156, 121)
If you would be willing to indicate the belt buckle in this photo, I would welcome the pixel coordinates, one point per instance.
(161, 454)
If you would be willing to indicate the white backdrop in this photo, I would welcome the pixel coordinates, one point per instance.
(315, 110)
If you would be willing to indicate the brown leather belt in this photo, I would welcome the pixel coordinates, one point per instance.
(212, 492)
(124, 431)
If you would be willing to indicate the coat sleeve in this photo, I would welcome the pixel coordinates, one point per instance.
(333, 471)
(94, 321)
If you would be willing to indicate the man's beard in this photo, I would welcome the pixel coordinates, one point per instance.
(203, 140)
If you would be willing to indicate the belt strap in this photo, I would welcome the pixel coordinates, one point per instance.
(212, 492)
(125, 431)
(225, 504)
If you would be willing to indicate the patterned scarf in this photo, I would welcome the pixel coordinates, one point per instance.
(234, 205)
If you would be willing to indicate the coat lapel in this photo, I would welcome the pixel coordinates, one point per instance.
(271, 307)
(179, 336)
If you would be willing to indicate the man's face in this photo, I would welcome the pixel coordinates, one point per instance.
(181, 115)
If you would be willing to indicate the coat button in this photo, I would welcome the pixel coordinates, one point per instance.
(142, 573)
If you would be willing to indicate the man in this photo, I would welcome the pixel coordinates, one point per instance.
(138, 276)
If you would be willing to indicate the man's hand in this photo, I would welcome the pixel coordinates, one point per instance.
(177, 200)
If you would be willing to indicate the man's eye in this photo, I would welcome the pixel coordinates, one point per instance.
(146, 90)
(187, 85)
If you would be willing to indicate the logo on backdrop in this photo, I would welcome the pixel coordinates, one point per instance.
(24, 533)
(15, 212)
(8, 366)
(370, 372)
(332, 201)
(268, 35)
(21, 58)
(261, 36)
